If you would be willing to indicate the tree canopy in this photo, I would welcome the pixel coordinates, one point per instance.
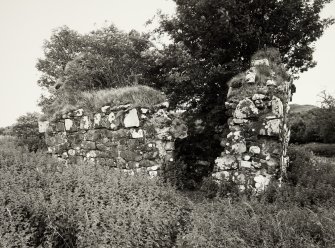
(218, 39)
(104, 58)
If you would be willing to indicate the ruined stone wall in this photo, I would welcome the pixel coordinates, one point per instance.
(132, 139)
(256, 140)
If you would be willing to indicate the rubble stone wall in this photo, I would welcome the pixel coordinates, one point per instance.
(124, 137)
(256, 140)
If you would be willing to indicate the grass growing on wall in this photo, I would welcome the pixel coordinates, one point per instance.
(275, 71)
(142, 96)
(92, 101)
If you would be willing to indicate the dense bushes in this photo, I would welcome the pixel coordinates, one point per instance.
(44, 203)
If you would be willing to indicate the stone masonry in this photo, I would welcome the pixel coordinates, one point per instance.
(256, 141)
(124, 137)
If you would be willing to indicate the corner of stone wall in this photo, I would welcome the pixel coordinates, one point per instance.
(125, 137)
(255, 148)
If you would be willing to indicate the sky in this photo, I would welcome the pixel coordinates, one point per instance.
(25, 24)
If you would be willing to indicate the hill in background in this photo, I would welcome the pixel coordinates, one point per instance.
(297, 108)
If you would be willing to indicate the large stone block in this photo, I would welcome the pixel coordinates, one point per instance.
(70, 125)
(43, 126)
(131, 119)
(227, 162)
(245, 109)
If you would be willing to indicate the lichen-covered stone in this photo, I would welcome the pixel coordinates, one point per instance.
(255, 150)
(258, 97)
(137, 134)
(88, 145)
(277, 106)
(239, 148)
(153, 168)
(91, 154)
(245, 164)
(60, 127)
(72, 152)
(79, 112)
(112, 121)
(221, 175)
(153, 173)
(178, 129)
(68, 124)
(43, 126)
(97, 120)
(259, 62)
(94, 135)
(85, 123)
(272, 127)
(169, 146)
(271, 83)
(144, 110)
(261, 182)
(226, 163)
(250, 76)
(245, 109)
(104, 109)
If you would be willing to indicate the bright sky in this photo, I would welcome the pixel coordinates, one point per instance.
(25, 24)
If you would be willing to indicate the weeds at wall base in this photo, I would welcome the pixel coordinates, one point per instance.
(43, 203)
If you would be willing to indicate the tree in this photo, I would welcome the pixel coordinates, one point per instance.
(214, 40)
(220, 37)
(104, 58)
(327, 118)
(316, 125)
(26, 131)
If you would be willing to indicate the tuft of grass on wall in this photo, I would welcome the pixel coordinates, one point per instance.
(137, 96)
(92, 101)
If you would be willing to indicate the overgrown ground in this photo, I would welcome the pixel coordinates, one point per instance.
(46, 204)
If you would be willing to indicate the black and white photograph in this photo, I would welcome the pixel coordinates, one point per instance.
(167, 123)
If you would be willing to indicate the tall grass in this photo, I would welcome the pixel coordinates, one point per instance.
(44, 203)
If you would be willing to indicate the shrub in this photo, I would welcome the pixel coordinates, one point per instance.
(26, 131)
(310, 182)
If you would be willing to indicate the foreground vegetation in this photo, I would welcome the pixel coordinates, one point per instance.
(46, 204)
